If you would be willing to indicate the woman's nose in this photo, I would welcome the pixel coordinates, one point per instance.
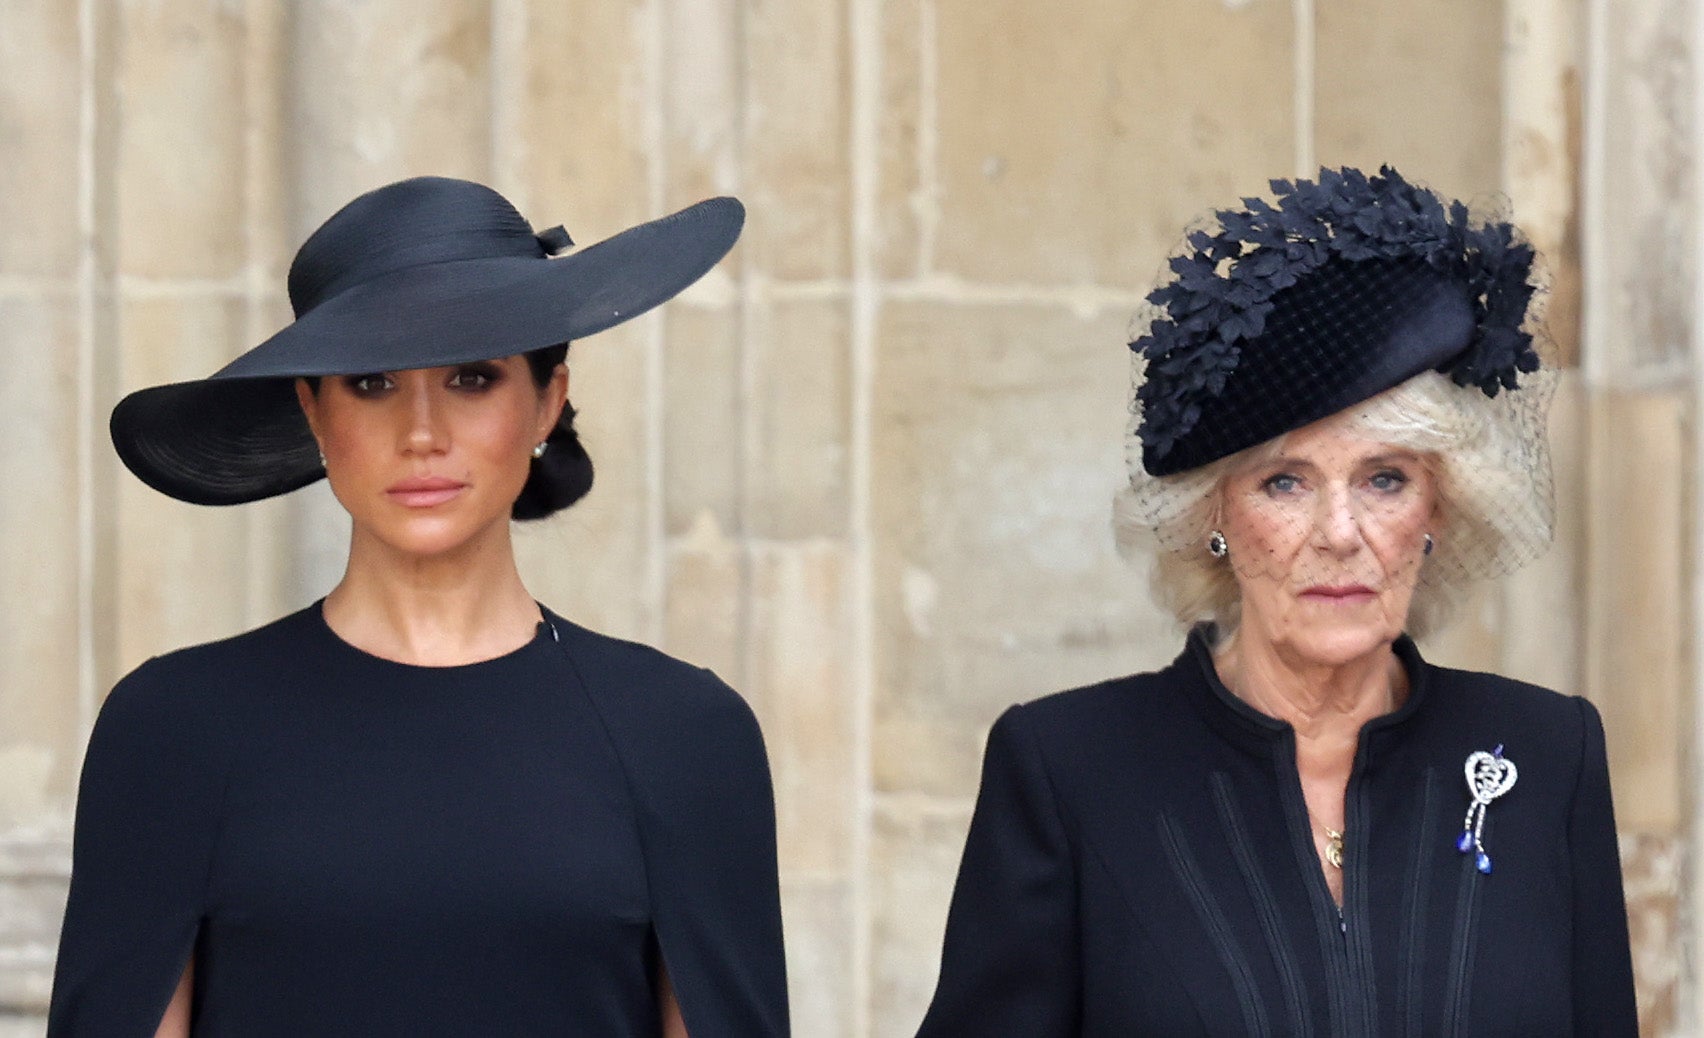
(423, 421)
(1336, 523)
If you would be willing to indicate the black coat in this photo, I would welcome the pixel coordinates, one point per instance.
(349, 845)
(1141, 862)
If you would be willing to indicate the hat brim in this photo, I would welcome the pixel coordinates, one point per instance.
(240, 435)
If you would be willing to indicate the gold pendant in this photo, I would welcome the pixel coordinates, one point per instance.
(1333, 847)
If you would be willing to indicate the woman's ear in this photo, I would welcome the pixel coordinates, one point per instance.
(309, 403)
(555, 397)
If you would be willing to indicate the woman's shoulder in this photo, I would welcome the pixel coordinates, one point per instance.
(608, 656)
(643, 684)
(1533, 721)
(1128, 710)
(185, 704)
(1475, 692)
(679, 728)
(190, 677)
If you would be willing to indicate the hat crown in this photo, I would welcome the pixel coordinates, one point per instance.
(411, 223)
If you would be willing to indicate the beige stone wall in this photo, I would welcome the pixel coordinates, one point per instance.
(864, 469)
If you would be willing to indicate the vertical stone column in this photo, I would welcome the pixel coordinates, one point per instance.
(699, 123)
(796, 449)
(48, 275)
(1541, 80)
(1641, 234)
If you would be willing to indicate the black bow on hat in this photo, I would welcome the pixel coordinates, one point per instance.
(428, 272)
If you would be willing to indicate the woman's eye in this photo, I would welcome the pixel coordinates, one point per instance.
(369, 384)
(1282, 483)
(1389, 480)
(471, 378)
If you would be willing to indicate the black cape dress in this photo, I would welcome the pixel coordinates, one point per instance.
(1141, 862)
(353, 846)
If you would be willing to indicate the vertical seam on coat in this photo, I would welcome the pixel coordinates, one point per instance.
(1218, 930)
(1327, 920)
(1358, 943)
(1461, 949)
(1266, 910)
(1414, 909)
(585, 690)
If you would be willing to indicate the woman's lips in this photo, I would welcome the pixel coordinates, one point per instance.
(424, 492)
(1339, 594)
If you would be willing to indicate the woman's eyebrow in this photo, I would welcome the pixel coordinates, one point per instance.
(1391, 457)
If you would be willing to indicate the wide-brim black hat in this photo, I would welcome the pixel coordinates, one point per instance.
(428, 272)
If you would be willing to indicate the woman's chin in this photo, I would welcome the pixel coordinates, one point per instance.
(1339, 641)
(428, 537)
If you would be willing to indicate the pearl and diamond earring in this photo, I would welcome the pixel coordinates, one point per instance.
(1216, 545)
(539, 449)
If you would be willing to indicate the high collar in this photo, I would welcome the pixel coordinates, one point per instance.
(1255, 732)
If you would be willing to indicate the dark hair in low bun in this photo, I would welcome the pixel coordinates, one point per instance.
(564, 474)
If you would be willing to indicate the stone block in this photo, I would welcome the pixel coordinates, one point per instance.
(41, 552)
(181, 569)
(1541, 132)
(1542, 603)
(1090, 171)
(181, 139)
(704, 616)
(268, 232)
(1474, 639)
(592, 561)
(798, 681)
(906, 203)
(35, 866)
(40, 101)
(914, 859)
(819, 920)
(703, 400)
(997, 447)
(1418, 90)
(799, 465)
(795, 139)
(1638, 596)
(384, 91)
(1647, 202)
(1653, 868)
(701, 114)
(572, 147)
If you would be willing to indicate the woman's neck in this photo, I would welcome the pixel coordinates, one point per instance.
(440, 610)
(1326, 703)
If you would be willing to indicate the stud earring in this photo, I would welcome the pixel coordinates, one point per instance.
(322, 459)
(1216, 545)
(539, 449)
(1427, 550)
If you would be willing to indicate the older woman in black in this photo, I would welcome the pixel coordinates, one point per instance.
(424, 805)
(1300, 826)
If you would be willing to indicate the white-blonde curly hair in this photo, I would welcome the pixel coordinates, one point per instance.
(1490, 463)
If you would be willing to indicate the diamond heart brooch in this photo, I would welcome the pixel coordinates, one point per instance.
(1489, 776)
